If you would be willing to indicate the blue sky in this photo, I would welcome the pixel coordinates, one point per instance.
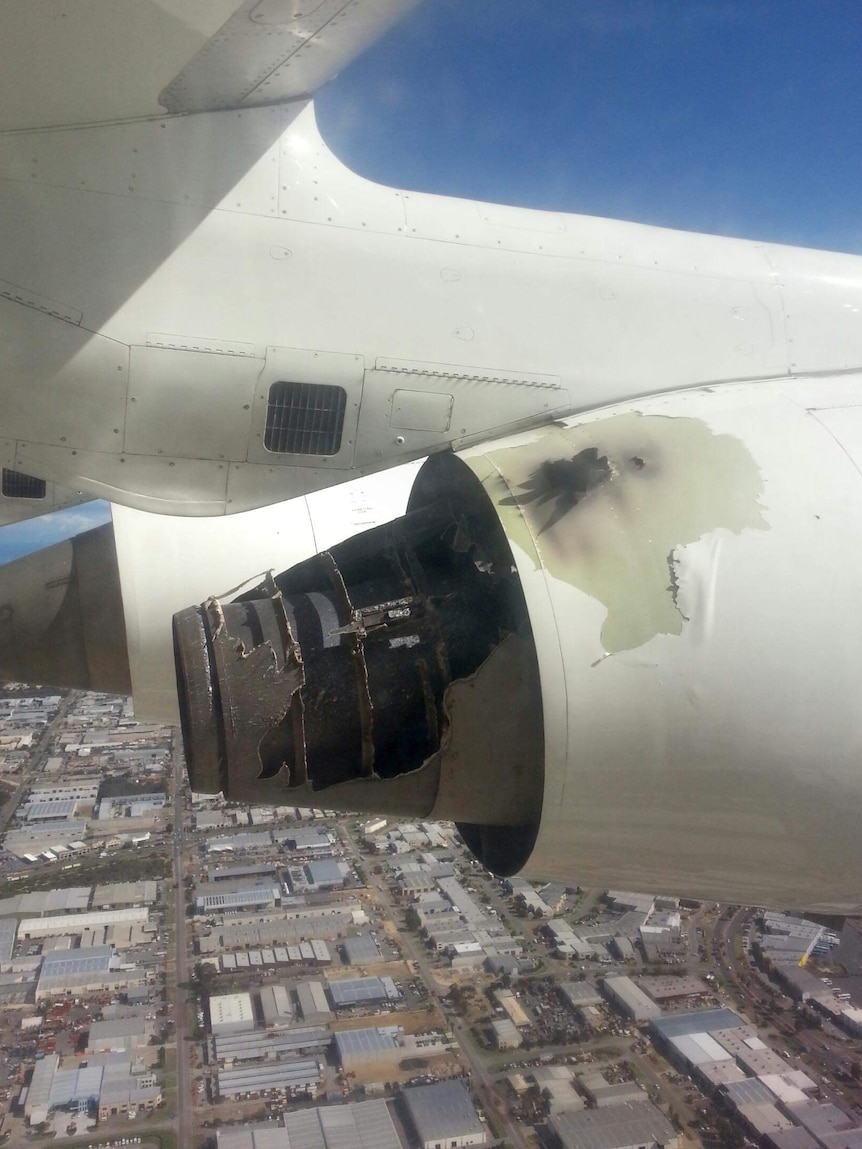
(735, 117)
(739, 117)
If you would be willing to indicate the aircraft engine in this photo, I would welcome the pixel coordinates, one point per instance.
(620, 650)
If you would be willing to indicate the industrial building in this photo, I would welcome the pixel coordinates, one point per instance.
(260, 1044)
(119, 1035)
(312, 1002)
(443, 1114)
(296, 1077)
(580, 993)
(130, 805)
(114, 894)
(362, 1125)
(361, 950)
(603, 1093)
(629, 999)
(40, 903)
(256, 872)
(352, 991)
(235, 901)
(625, 902)
(231, 1013)
(58, 810)
(673, 988)
(84, 790)
(275, 1005)
(326, 874)
(358, 1048)
(505, 1033)
(632, 1126)
(691, 1039)
(105, 1084)
(507, 1001)
(555, 1082)
(77, 923)
(307, 841)
(90, 970)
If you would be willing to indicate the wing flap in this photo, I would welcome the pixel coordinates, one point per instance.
(272, 51)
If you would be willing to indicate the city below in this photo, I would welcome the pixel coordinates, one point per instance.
(178, 972)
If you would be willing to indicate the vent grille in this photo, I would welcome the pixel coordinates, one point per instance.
(305, 418)
(16, 485)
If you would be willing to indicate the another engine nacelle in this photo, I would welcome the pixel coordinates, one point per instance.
(622, 650)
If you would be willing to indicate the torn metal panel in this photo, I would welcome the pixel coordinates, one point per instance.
(373, 663)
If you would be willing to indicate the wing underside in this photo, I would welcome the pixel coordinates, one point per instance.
(98, 61)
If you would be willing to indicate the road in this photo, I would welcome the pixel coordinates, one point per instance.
(181, 1016)
(38, 754)
(415, 951)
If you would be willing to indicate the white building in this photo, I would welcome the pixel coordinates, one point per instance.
(231, 1013)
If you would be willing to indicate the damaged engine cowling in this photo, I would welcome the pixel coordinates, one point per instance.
(622, 650)
(366, 677)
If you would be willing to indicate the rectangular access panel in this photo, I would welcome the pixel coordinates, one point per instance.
(306, 408)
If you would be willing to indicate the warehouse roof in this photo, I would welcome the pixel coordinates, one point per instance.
(355, 990)
(633, 1123)
(58, 963)
(57, 808)
(326, 872)
(749, 1091)
(360, 948)
(699, 1048)
(631, 997)
(442, 1112)
(700, 1021)
(297, 1073)
(354, 1042)
(231, 1009)
(231, 899)
(144, 892)
(363, 1125)
(75, 923)
(578, 993)
(118, 1027)
(269, 1043)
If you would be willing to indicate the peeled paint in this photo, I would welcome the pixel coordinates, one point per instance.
(607, 505)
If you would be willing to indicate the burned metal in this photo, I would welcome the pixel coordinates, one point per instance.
(333, 682)
(565, 482)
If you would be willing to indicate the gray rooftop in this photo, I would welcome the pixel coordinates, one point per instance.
(750, 1091)
(442, 1112)
(59, 962)
(578, 993)
(293, 1074)
(635, 1123)
(363, 1125)
(361, 948)
(356, 990)
(353, 1042)
(701, 1021)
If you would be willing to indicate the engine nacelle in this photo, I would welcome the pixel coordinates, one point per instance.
(622, 650)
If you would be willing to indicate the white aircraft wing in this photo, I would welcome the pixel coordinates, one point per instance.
(97, 61)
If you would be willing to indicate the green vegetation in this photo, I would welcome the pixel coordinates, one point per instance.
(118, 866)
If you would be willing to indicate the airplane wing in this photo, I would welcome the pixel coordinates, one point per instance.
(25, 497)
(615, 634)
(113, 60)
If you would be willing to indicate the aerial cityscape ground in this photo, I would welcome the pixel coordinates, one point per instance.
(179, 972)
